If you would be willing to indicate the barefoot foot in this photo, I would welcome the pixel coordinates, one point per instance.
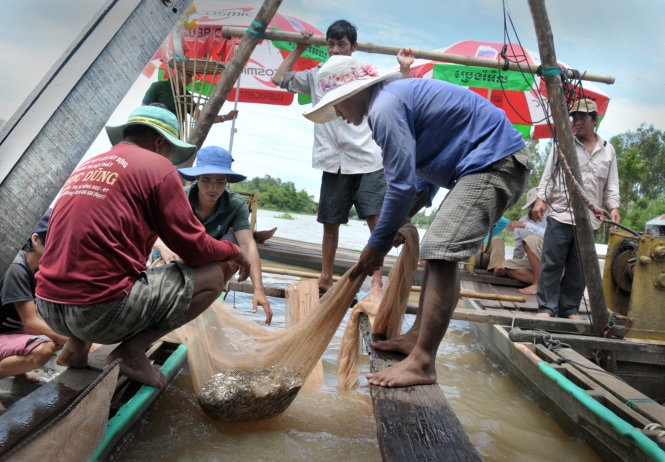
(74, 354)
(543, 315)
(529, 290)
(138, 368)
(403, 374)
(400, 344)
(262, 236)
(575, 316)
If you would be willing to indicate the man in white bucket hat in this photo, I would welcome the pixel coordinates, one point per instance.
(352, 174)
(93, 284)
(432, 134)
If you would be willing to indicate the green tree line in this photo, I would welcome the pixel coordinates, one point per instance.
(274, 194)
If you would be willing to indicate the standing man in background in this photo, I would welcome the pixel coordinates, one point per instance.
(347, 154)
(561, 283)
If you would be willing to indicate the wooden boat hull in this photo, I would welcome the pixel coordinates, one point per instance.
(34, 421)
(565, 408)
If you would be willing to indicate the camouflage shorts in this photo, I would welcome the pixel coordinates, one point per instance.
(159, 301)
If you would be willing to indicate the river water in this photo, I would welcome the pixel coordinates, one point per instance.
(326, 424)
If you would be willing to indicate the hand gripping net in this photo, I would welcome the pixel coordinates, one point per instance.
(385, 313)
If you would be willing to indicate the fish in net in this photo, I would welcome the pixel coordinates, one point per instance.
(242, 371)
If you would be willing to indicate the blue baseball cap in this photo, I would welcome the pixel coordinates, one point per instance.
(212, 160)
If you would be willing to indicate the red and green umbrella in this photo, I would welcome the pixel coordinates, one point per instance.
(522, 96)
(204, 42)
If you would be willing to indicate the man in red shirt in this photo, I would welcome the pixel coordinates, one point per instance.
(93, 284)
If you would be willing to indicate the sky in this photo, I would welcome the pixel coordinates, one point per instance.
(613, 37)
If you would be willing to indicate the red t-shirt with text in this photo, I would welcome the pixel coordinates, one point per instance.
(106, 220)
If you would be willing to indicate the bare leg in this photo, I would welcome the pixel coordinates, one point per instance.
(535, 267)
(377, 278)
(328, 251)
(74, 353)
(522, 275)
(208, 284)
(19, 365)
(441, 293)
(404, 343)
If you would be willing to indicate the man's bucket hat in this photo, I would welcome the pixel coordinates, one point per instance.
(162, 120)
(584, 105)
(339, 78)
(212, 160)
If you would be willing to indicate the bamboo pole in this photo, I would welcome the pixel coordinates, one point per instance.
(463, 293)
(250, 38)
(229, 32)
(583, 227)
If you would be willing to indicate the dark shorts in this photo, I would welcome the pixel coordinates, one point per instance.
(471, 208)
(339, 192)
(158, 301)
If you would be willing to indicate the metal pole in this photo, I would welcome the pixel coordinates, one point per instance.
(235, 107)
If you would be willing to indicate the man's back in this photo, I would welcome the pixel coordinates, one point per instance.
(105, 222)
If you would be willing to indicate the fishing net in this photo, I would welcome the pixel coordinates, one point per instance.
(385, 313)
(242, 371)
(301, 298)
(76, 432)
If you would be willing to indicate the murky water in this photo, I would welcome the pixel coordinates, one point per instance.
(325, 424)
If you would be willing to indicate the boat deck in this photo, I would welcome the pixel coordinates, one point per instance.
(308, 255)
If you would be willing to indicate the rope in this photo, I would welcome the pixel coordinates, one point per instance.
(629, 402)
(259, 26)
(550, 71)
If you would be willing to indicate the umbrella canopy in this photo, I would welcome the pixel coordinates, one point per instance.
(523, 97)
(203, 41)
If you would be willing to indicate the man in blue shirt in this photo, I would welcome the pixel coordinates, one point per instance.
(432, 134)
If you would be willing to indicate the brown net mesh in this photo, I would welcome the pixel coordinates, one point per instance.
(385, 313)
(301, 298)
(76, 433)
(242, 371)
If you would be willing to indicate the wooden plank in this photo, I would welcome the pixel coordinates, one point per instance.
(49, 134)
(308, 255)
(249, 289)
(651, 353)
(524, 321)
(576, 374)
(617, 387)
(414, 423)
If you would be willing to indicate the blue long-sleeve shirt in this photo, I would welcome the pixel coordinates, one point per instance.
(435, 131)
